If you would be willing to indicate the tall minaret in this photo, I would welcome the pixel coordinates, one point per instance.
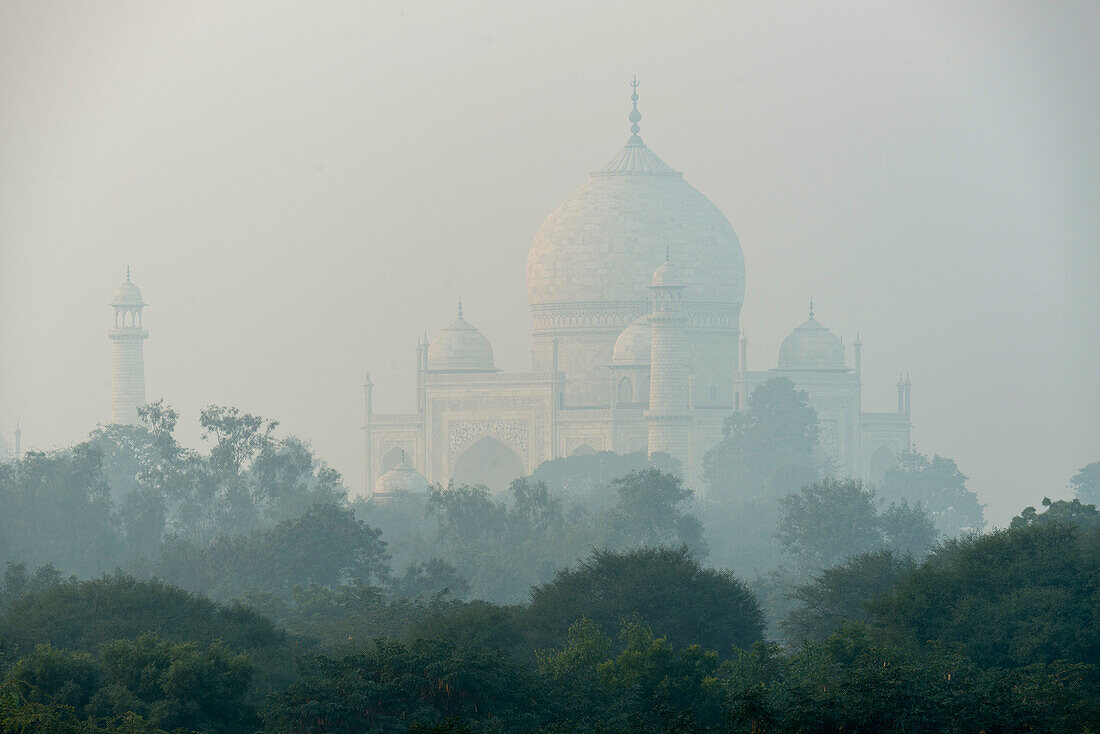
(669, 414)
(128, 336)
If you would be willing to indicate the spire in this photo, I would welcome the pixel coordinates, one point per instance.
(667, 258)
(811, 308)
(459, 308)
(635, 116)
(127, 273)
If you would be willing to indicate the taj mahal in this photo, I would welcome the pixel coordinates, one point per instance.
(635, 283)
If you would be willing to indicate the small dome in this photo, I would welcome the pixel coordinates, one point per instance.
(460, 348)
(634, 345)
(812, 347)
(127, 294)
(402, 478)
(667, 274)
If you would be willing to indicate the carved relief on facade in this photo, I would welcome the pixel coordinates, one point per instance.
(513, 433)
(597, 440)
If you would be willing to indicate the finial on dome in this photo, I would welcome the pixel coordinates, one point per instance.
(811, 308)
(667, 258)
(635, 116)
(459, 308)
(127, 273)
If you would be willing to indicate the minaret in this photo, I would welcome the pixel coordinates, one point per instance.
(669, 414)
(18, 442)
(128, 337)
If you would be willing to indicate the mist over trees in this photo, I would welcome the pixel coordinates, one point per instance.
(148, 586)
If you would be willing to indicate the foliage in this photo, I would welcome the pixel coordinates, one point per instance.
(649, 512)
(169, 685)
(82, 616)
(430, 579)
(830, 520)
(1007, 599)
(18, 582)
(767, 449)
(394, 686)
(586, 477)
(665, 587)
(56, 508)
(937, 484)
(1068, 512)
(1086, 483)
(840, 594)
(325, 546)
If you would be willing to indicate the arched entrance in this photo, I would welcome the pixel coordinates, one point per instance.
(881, 460)
(626, 391)
(488, 463)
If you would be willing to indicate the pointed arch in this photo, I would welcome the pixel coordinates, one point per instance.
(583, 450)
(625, 392)
(881, 460)
(488, 463)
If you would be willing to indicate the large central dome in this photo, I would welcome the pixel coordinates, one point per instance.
(601, 244)
(590, 265)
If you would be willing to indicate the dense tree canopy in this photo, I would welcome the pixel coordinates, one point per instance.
(828, 521)
(665, 587)
(1067, 512)
(327, 545)
(83, 615)
(937, 484)
(767, 449)
(841, 594)
(1085, 484)
(1008, 599)
(494, 613)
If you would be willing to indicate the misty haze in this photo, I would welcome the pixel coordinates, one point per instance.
(648, 367)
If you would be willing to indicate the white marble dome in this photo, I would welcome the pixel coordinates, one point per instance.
(634, 345)
(600, 246)
(402, 478)
(460, 348)
(812, 347)
(127, 294)
(667, 275)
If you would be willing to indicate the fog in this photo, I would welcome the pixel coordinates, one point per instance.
(302, 193)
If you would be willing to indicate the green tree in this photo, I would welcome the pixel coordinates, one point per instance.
(393, 687)
(175, 685)
(1008, 599)
(1085, 484)
(1067, 512)
(650, 512)
(828, 521)
(840, 594)
(82, 616)
(767, 449)
(52, 676)
(430, 579)
(56, 507)
(326, 546)
(939, 486)
(665, 587)
(908, 529)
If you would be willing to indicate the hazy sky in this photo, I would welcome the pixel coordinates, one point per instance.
(301, 191)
